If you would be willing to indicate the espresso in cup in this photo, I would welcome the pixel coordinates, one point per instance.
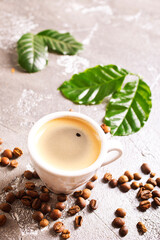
(68, 143)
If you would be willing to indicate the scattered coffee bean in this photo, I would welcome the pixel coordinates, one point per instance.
(156, 193)
(30, 185)
(7, 188)
(107, 177)
(26, 200)
(71, 110)
(129, 175)
(86, 193)
(55, 214)
(139, 192)
(28, 174)
(37, 216)
(157, 201)
(145, 195)
(144, 205)
(44, 189)
(90, 185)
(149, 186)
(105, 128)
(73, 210)
(20, 194)
(113, 183)
(118, 222)
(62, 198)
(17, 152)
(44, 197)
(120, 212)
(137, 176)
(122, 179)
(5, 207)
(77, 194)
(32, 193)
(8, 153)
(5, 161)
(45, 208)
(36, 204)
(93, 204)
(78, 221)
(81, 202)
(10, 197)
(1, 141)
(145, 168)
(60, 205)
(141, 228)
(44, 222)
(123, 231)
(152, 181)
(65, 234)
(3, 220)
(125, 187)
(35, 175)
(58, 227)
(134, 185)
(94, 178)
(158, 182)
(152, 174)
(14, 163)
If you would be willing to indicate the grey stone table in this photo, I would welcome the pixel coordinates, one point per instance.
(121, 32)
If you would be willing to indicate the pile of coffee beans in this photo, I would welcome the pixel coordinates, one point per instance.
(119, 222)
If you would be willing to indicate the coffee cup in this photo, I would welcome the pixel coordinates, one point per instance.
(98, 146)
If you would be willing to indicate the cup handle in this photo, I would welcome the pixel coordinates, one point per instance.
(115, 151)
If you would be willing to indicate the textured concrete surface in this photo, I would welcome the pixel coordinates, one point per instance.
(121, 32)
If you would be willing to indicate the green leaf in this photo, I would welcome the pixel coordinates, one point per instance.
(94, 84)
(129, 109)
(63, 43)
(32, 53)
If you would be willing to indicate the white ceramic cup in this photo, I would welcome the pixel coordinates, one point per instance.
(61, 181)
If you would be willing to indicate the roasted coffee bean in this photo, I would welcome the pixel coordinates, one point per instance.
(62, 198)
(139, 192)
(8, 153)
(17, 152)
(55, 214)
(123, 179)
(137, 176)
(94, 178)
(60, 205)
(120, 212)
(5, 161)
(44, 189)
(81, 202)
(7, 188)
(158, 182)
(45, 208)
(30, 185)
(156, 193)
(35, 175)
(152, 174)
(65, 234)
(129, 175)
(1, 141)
(134, 185)
(86, 193)
(113, 183)
(26, 200)
(157, 201)
(44, 222)
(90, 185)
(77, 194)
(107, 177)
(105, 128)
(58, 227)
(5, 207)
(37, 216)
(123, 231)
(118, 222)
(145, 168)
(152, 181)
(149, 186)
(44, 197)
(78, 221)
(20, 194)
(3, 220)
(140, 184)
(73, 210)
(141, 228)
(36, 204)
(28, 174)
(145, 195)
(93, 204)
(144, 205)
(32, 193)
(10, 197)
(14, 163)
(125, 187)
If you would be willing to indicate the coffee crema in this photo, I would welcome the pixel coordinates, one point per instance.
(68, 143)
